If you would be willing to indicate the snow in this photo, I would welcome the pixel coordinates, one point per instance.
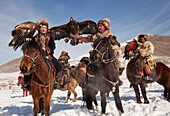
(13, 104)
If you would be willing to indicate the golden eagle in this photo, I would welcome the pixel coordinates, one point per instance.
(27, 30)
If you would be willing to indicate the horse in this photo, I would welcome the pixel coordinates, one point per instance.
(42, 80)
(21, 82)
(77, 76)
(106, 75)
(135, 66)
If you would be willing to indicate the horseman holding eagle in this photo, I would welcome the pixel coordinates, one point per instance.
(45, 38)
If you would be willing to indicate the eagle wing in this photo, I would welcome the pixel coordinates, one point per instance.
(87, 27)
(21, 32)
(59, 32)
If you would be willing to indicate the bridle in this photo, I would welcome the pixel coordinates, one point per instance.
(102, 54)
(33, 66)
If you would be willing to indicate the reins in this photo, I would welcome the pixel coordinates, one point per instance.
(34, 70)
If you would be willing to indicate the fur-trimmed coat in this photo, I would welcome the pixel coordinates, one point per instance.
(106, 34)
(146, 49)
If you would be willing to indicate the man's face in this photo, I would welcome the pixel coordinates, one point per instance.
(142, 40)
(101, 28)
(43, 29)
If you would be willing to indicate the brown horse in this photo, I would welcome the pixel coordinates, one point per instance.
(135, 66)
(106, 75)
(77, 76)
(164, 72)
(21, 82)
(42, 82)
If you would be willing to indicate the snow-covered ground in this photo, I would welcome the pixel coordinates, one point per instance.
(13, 104)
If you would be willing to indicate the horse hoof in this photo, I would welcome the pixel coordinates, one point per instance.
(97, 109)
(139, 102)
(146, 102)
(103, 114)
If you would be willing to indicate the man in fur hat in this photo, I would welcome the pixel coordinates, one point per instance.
(146, 50)
(104, 31)
(46, 42)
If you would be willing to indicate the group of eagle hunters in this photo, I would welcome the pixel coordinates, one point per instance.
(44, 73)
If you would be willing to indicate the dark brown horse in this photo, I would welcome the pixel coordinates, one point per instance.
(42, 82)
(135, 67)
(106, 77)
(21, 82)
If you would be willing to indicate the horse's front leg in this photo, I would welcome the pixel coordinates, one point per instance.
(47, 106)
(36, 105)
(103, 103)
(143, 88)
(168, 98)
(68, 96)
(71, 89)
(117, 100)
(136, 88)
(23, 93)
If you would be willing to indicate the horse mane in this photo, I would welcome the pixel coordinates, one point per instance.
(29, 44)
(33, 44)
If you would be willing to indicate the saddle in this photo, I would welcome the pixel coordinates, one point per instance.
(62, 79)
(149, 70)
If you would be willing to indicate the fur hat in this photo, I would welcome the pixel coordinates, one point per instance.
(144, 36)
(105, 23)
(42, 23)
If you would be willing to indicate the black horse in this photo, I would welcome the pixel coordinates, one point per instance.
(106, 75)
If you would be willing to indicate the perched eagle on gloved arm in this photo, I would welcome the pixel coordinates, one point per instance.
(21, 32)
(75, 28)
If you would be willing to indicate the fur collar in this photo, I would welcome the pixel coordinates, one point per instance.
(106, 34)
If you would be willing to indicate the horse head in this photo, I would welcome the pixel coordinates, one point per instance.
(102, 50)
(130, 49)
(31, 57)
(139, 65)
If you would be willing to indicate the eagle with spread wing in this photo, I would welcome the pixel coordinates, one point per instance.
(28, 29)
(75, 28)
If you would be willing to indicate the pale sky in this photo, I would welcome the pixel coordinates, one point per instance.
(129, 18)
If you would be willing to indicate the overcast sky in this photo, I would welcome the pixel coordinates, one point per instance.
(129, 18)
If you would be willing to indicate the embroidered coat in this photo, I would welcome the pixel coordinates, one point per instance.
(49, 44)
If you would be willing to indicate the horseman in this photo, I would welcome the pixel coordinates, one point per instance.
(46, 42)
(105, 32)
(146, 50)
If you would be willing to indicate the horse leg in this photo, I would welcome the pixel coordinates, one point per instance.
(103, 103)
(165, 92)
(168, 98)
(23, 93)
(36, 105)
(41, 106)
(143, 88)
(68, 96)
(137, 93)
(117, 100)
(47, 105)
(26, 93)
(74, 92)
